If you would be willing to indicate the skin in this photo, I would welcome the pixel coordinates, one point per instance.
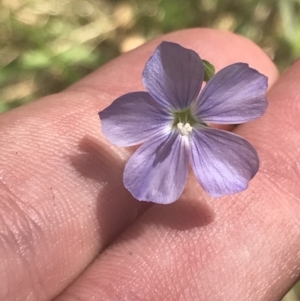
(69, 230)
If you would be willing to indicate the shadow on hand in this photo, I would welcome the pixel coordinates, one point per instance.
(178, 219)
(117, 209)
(185, 214)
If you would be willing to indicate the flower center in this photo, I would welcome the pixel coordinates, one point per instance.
(184, 116)
(184, 129)
(184, 121)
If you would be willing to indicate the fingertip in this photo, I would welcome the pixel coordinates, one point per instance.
(221, 48)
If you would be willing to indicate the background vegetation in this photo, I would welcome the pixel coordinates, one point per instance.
(46, 45)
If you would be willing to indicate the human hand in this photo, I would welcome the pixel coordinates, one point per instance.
(71, 231)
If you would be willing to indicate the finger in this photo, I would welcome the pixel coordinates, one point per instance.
(241, 247)
(62, 197)
(167, 248)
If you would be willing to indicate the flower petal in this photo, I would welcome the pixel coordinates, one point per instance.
(157, 171)
(173, 75)
(236, 94)
(133, 118)
(223, 162)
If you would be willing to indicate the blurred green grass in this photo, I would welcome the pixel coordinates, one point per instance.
(46, 46)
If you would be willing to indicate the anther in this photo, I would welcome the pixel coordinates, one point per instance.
(184, 129)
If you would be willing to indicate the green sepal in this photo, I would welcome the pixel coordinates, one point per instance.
(209, 70)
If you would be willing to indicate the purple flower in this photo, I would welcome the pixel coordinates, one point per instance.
(171, 120)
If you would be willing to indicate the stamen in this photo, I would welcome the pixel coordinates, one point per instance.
(184, 129)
